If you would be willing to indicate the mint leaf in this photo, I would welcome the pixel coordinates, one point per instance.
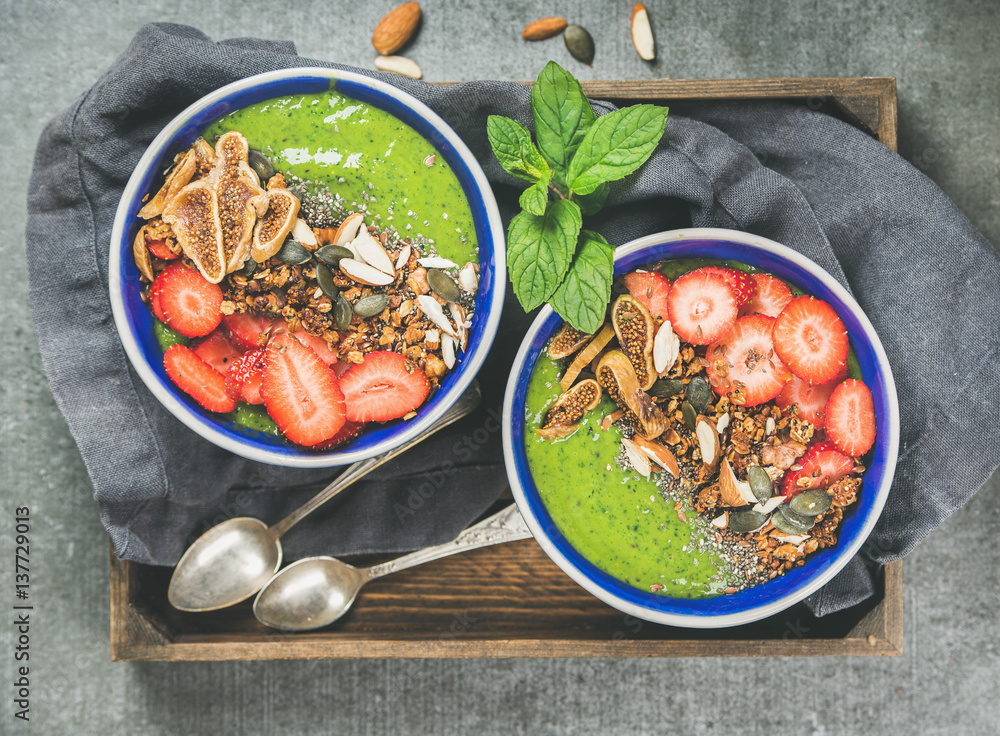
(583, 298)
(540, 249)
(562, 116)
(534, 198)
(615, 146)
(591, 204)
(513, 148)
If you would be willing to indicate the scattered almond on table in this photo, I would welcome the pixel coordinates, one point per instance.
(396, 28)
(399, 65)
(543, 28)
(642, 33)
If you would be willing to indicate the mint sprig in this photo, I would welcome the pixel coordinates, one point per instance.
(550, 257)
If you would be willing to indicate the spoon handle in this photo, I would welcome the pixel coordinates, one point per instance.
(505, 526)
(465, 404)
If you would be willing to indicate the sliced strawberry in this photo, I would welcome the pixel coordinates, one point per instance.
(244, 377)
(247, 330)
(217, 351)
(159, 249)
(810, 397)
(197, 379)
(348, 432)
(822, 465)
(702, 306)
(743, 284)
(154, 304)
(383, 387)
(319, 346)
(850, 418)
(651, 290)
(189, 304)
(745, 359)
(772, 296)
(300, 392)
(811, 339)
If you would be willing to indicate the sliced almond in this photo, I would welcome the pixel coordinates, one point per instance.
(398, 65)
(642, 33)
(708, 440)
(468, 279)
(723, 423)
(795, 539)
(769, 426)
(371, 252)
(436, 262)
(303, 233)
(660, 454)
(363, 273)
(403, 257)
(770, 505)
(348, 229)
(733, 492)
(429, 306)
(448, 351)
(637, 458)
(721, 522)
(141, 254)
(661, 347)
(461, 322)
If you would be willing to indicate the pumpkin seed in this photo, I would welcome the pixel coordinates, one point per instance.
(760, 483)
(783, 525)
(371, 305)
(293, 253)
(324, 277)
(800, 522)
(665, 388)
(331, 254)
(699, 393)
(261, 165)
(443, 285)
(342, 313)
(690, 415)
(811, 503)
(298, 192)
(249, 267)
(746, 521)
(579, 43)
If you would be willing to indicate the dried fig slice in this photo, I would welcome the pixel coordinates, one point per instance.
(194, 216)
(563, 417)
(636, 329)
(617, 376)
(141, 255)
(567, 341)
(595, 346)
(270, 230)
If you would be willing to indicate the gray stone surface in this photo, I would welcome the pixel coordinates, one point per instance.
(946, 60)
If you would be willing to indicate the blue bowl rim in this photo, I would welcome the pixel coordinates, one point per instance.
(619, 595)
(212, 429)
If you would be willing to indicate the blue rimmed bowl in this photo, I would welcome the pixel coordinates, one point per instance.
(135, 322)
(777, 595)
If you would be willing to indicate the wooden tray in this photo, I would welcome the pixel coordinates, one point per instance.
(511, 600)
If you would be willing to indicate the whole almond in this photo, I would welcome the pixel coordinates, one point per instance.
(396, 28)
(543, 28)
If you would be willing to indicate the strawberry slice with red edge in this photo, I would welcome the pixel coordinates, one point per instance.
(744, 287)
(247, 330)
(810, 397)
(744, 359)
(217, 351)
(772, 296)
(159, 249)
(319, 346)
(197, 379)
(243, 379)
(822, 464)
(811, 339)
(850, 418)
(383, 387)
(301, 393)
(651, 290)
(188, 303)
(348, 432)
(702, 306)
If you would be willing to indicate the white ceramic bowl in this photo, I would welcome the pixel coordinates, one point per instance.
(859, 519)
(135, 322)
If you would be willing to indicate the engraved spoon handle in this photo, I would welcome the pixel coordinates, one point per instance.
(465, 404)
(504, 526)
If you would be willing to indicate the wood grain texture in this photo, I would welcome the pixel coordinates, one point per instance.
(512, 600)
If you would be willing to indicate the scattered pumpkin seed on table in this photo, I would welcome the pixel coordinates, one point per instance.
(579, 43)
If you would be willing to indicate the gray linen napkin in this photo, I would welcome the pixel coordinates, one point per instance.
(925, 277)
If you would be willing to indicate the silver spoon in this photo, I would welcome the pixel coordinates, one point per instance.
(232, 560)
(316, 591)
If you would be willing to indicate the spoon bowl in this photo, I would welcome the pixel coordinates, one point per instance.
(225, 565)
(309, 594)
